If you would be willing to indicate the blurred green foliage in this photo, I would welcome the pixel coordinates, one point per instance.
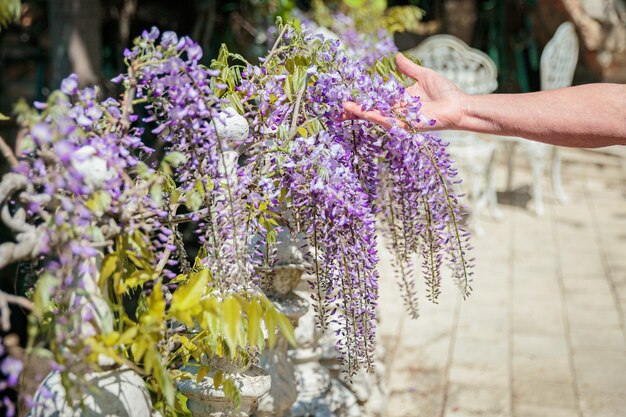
(9, 12)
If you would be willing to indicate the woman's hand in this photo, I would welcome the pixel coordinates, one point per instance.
(441, 100)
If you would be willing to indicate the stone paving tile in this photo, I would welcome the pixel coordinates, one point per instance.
(409, 404)
(541, 392)
(588, 284)
(475, 352)
(465, 413)
(603, 405)
(527, 367)
(487, 375)
(598, 339)
(539, 345)
(477, 399)
(533, 410)
(605, 318)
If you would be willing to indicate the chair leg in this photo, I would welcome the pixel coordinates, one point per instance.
(557, 184)
(537, 167)
(478, 203)
(510, 151)
(490, 190)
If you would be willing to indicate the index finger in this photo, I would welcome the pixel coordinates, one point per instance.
(373, 116)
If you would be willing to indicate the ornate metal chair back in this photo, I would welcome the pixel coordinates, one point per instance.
(559, 58)
(470, 69)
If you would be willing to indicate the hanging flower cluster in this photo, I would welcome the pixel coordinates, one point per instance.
(242, 152)
(343, 180)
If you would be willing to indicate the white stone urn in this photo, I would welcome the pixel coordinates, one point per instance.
(113, 391)
(118, 392)
(206, 401)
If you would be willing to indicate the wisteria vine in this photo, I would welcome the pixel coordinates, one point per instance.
(242, 152)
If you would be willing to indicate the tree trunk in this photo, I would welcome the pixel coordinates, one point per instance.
(75, 32)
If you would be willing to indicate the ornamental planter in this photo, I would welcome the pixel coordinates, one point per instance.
(205, 401)
(118, 392)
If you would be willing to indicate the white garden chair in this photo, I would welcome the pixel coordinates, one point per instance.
(558, 62)
(474, 73)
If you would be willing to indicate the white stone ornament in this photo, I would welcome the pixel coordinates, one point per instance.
(205, 401)
(118, 392)
(91, 167)
(231, 127)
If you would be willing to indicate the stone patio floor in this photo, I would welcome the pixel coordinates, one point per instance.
(543, 334)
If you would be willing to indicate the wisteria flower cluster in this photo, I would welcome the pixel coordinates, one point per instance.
(103, 189)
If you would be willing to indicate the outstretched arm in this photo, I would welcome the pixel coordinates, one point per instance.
(585, 116)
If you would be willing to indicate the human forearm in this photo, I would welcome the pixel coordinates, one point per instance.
(591, 115)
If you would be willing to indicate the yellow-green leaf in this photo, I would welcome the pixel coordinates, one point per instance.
(231, 322)
(43, 292)
(156, 193)
(218, 378)
(202, 372)
(189, 294)
(286, 329)
(138, 349)
(303, 132)
(270, 321)
(255, 313)
(156, 307)
(128, 336)
(109, 265)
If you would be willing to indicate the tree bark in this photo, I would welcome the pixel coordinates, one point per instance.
(75, 32)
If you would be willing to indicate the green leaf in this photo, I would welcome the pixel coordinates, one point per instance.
(175, 158)
(109, 265)
(163, 379)
(156, 307)
(186, 299)
(9, 12)
(231, 323)
(128, 336)
(3, 117)
(138, 349)
(43, 292)
(270, 321)
(218, 379)
(303, 132)
(255, 335)
(194, 200)
(156, 193)
(144, 171)
(181, 405)
(202, 372)
(232, 392)
(99, 202)
(287, 329)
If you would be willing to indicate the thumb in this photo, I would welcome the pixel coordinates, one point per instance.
(409, 68)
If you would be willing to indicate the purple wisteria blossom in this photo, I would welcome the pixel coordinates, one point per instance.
(242, 153)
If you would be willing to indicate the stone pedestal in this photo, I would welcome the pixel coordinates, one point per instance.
(286, 275)
(319, 394)
(283, 392)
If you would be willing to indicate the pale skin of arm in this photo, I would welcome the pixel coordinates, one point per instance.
(585, 116)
